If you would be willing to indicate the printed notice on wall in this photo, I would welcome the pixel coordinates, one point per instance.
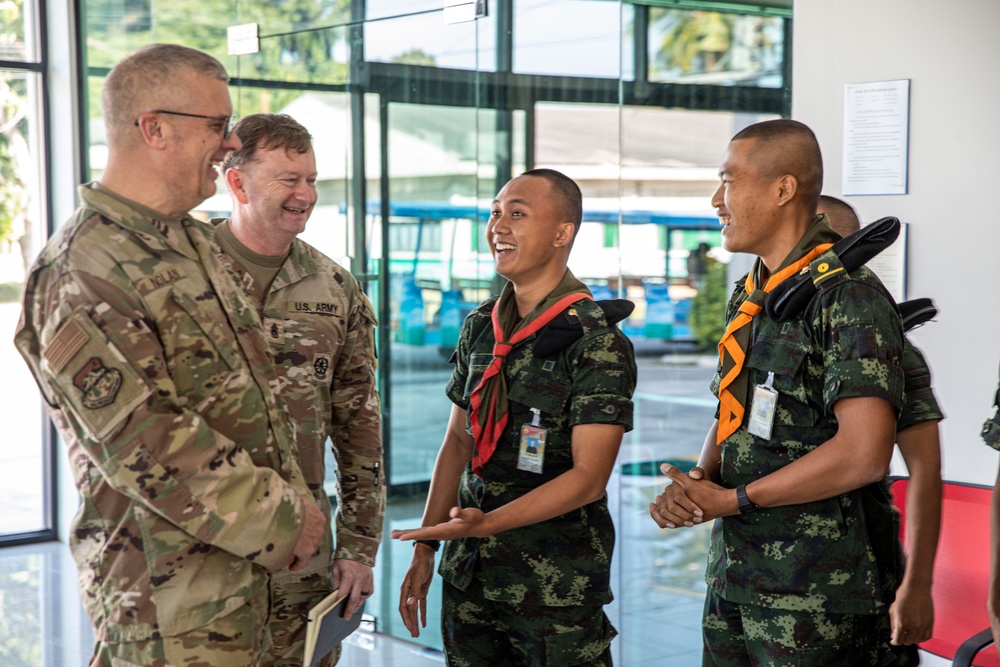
(890, 266)
(876, 134)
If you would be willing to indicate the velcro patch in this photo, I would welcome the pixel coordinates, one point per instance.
(321, 365)
(64, 345)
(314, 307)
(274, 329)
(96, 383)
(156, 281)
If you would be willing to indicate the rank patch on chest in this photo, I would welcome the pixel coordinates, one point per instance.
(274, 329)
(321, 365)
(98, 383)
(315, 307)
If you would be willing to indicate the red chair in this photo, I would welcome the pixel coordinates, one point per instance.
(961, 574)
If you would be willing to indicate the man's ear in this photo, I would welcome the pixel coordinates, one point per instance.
(564, 235)
(153, 132)
(787, 185)
(234, 179)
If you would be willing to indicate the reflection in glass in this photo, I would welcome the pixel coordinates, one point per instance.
(17, 30)
(309, 56)
(21, 612)
(381, 9)
(425, 39)
(295, 17)
(115, 28)
(715, 48)
(21, 237)
(572, 38)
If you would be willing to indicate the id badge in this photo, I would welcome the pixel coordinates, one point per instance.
(532, 454)
(765, 404)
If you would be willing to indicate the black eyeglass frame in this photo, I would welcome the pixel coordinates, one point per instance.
(230, 121)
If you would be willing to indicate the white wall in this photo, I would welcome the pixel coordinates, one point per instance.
(950, 53)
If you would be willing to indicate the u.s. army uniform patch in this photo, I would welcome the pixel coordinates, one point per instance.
(312, 307)
(321, 365)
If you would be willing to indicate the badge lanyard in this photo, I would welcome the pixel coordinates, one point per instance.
(763, 408)
(532, 454)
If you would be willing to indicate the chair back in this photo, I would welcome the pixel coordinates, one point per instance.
(961, 568)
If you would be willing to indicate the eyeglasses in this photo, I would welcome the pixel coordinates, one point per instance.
(230, 121)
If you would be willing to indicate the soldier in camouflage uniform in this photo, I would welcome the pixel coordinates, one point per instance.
(320, 327)
(912, 613)
(527, 564)
(155, 371)
(803, 561)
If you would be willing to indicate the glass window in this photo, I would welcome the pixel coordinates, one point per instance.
(572, 38)
(116, 28)
(425, 39)
(297, 18)
(381, 9)
(696, 46)
(307, 56)
(19, 31)
(23, 463)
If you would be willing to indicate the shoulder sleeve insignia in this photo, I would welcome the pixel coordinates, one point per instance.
(98, 383)
(93, 378)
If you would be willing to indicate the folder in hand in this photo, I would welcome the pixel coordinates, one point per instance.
(327, 626)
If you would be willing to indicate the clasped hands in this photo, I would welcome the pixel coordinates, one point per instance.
(690, 499)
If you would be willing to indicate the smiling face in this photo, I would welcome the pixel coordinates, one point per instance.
(742, 201)
(277, 193)
(526, 233)
(199, 145)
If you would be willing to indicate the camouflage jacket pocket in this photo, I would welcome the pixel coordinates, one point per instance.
(546, 394)
(784, 359)
(199, 346)
(478, 363)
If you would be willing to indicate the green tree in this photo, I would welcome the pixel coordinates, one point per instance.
(693, 41)
(708, 309)
(415, 57)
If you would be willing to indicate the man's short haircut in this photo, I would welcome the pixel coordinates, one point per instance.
(148, 79)
(785, 146)
(565, 194)
(267, 132)
(843, 218)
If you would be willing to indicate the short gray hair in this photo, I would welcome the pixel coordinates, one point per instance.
(136, 84)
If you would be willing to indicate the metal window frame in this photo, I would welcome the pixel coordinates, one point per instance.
(50, 440)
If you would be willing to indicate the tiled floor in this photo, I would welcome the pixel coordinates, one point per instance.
(42, 623)
(657, 575)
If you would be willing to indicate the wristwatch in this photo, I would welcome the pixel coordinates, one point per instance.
(746, 507)
(433, 544)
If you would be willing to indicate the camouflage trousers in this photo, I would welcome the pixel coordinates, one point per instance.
(481, 633)
(240, 639)
(291, 599)
(746, 635)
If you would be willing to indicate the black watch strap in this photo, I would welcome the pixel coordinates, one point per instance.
(746, 507)
(433, 544)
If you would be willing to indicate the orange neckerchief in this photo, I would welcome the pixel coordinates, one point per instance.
(489, 399)
(735, 342)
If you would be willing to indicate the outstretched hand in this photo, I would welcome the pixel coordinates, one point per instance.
(468, 522)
